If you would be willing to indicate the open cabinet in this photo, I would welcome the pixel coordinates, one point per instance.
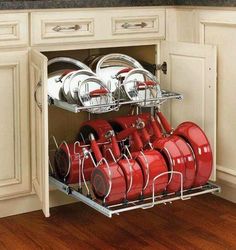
(191, 71)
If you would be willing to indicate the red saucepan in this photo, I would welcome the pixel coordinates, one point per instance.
(108, 180)
(200, 145)
(151, 162)
(101, 130)
(131, 169)
(187, 153)
(67, 161)
(172, 155)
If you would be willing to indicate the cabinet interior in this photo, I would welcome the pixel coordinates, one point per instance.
(64, 125)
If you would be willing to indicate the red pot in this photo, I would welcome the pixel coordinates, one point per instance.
(152, 164)
(173, 157)
(196, 138)
(200, 145)
(108, 180)
(185, 149)
(189, 161)
(132, 172)
(97, 127)
(68, 164)
(100, 129)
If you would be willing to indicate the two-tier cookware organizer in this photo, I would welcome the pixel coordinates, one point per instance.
(127, 162)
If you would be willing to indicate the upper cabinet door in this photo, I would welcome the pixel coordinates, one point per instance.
(15, 179)
(192, 72)
(39, 123)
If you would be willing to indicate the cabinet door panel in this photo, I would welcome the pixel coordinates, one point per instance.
(15, 126)
(39, 126)
(192, 72)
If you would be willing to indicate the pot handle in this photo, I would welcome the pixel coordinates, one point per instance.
(166, 125)
(95, 148)
(125, 70)
(125, 133)
(155, 128)
(98, 92)
(143, 85)
(145, 135)
(115, 147)
(137, 141)
(140, 124)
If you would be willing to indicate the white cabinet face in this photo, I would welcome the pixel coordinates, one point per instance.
(219, 28)
(39, 124)
(15, 179)
(192, 72)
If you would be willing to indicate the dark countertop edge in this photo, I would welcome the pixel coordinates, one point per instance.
(67, 4)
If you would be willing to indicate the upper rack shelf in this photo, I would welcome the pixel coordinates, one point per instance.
(76, 108)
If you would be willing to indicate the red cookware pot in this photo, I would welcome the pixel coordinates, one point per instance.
(101, 130)
(173, 157)
(67, 162)
(108, 180)
(120, 123)
(152, 164)
(98, 128)
(131, 169)
(185, 149)
(123, 122)
(200, 145)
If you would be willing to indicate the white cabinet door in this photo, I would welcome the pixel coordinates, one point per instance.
(192, 72)
(39, 127)
(15, 179)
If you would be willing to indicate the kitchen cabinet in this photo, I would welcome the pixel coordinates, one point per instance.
(87, 26)
(180, 57)
(217, 27)
(15, 176)
(138, 32)
(13, 30)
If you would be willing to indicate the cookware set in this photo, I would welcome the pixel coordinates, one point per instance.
(127, 158)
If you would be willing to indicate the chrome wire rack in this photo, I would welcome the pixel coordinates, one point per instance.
(115, 106)
(146, 203)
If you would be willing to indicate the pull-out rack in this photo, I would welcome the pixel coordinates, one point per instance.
(75, 108)
(145, 203)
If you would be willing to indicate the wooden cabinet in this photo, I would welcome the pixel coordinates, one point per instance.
(25, 132)
(85, 26)
(15, 174)
(13, 30)
(191, 69)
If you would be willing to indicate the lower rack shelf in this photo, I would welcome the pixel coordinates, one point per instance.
(146, 203)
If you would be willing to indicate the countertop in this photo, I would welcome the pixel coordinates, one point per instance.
(48, 4)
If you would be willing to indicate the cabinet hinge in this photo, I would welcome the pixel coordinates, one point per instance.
(162, 67)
